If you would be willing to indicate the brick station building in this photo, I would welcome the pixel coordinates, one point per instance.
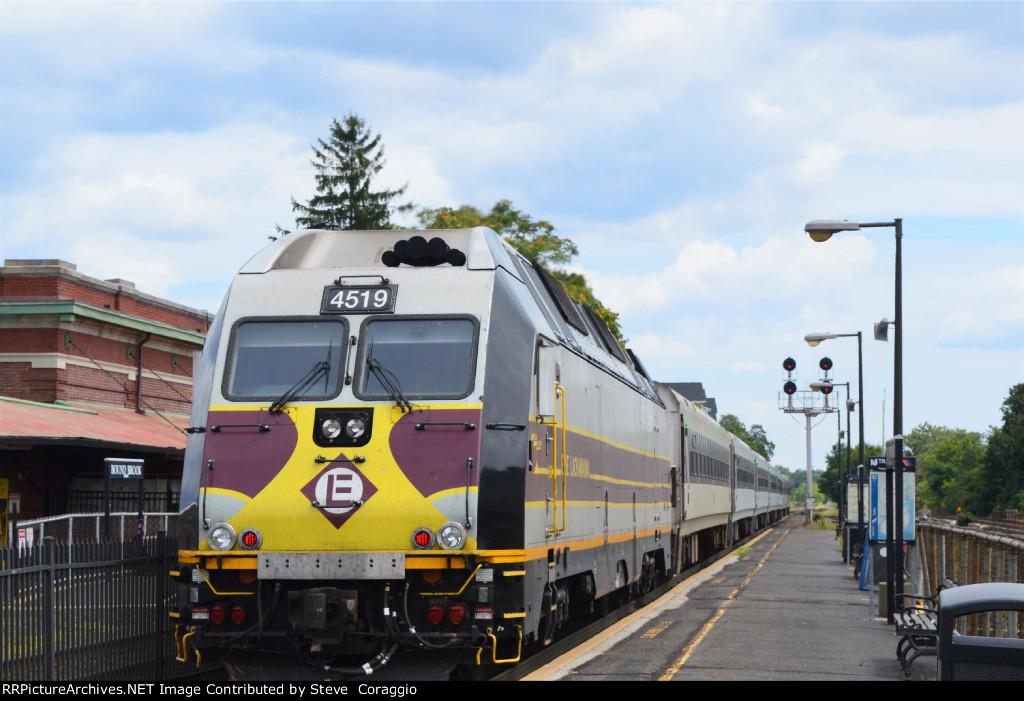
(90, 369)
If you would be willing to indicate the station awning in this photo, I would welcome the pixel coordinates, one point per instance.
(24, 423)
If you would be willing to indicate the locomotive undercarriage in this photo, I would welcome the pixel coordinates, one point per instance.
(347, 627)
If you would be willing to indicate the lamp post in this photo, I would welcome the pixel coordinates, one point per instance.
(814, 339)
(821, 230)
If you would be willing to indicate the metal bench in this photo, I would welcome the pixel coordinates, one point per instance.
(971, 657)
(916, 620)
(917, 626)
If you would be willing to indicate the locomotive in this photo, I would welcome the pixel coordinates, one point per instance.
(424, 455)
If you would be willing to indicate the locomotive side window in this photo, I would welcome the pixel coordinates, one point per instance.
(270, 357)
(429, 357)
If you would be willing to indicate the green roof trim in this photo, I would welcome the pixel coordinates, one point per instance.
(56, 405)
(69, 310)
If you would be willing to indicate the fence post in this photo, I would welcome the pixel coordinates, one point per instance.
(160, 611)
(49, 636)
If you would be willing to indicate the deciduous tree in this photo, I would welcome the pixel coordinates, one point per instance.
(1001, 478)
(535, 239)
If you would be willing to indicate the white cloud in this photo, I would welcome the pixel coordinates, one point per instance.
(819, 163)
(144, 202)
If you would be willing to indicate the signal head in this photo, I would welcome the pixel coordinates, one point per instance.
(789, 387)
(789, 365)
(825, 364)
(826, 388)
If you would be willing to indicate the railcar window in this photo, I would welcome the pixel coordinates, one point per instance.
(269, 357)
(430, 358)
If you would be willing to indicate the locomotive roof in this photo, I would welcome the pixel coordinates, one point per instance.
(316, 248)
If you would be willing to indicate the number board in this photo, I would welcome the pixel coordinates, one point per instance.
(355, 299)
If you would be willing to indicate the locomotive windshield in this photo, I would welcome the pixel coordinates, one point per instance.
(428, 357)
(271, 358)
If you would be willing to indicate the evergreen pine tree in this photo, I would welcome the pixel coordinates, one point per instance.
(345, 167)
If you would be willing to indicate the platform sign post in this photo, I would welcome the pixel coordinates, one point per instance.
(877, 499)
(122, 468)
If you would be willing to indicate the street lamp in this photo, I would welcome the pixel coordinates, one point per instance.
(813, 339)
(821, 230)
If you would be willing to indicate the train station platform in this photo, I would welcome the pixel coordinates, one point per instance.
(783, 608)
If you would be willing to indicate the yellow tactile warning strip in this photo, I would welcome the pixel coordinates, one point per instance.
(697, 639)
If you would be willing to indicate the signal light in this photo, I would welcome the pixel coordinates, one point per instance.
(826, 388)
(789, 365)
(825, 364)
(789, 387)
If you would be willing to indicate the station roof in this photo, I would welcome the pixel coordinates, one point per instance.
(89, 425)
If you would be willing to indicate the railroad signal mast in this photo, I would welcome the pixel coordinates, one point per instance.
(809, 403)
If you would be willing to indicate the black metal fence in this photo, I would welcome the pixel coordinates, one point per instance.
(82, 501)
(88, 611)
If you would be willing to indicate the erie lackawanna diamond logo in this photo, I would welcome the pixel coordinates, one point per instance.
(338, 492)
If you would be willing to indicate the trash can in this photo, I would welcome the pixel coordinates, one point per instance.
(972, 657)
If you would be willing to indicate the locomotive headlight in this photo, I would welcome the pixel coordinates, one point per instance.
(355, 427)
(331, 428)
(451, 536)
(222, 537)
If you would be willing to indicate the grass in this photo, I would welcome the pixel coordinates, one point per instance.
(826, 519)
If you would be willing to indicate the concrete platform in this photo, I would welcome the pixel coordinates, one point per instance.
(784, 608)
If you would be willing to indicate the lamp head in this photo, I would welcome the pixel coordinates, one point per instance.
(882, 330)
(822, 229)
(814, 339)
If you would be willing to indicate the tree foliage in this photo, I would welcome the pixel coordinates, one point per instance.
(346, 165)
(1002, 469)
(830, 482)
(948, 463)
(755, 437)
(534, 239)
(961, 469)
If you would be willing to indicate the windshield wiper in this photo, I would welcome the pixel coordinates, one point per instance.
(302, 385)
(387, 380)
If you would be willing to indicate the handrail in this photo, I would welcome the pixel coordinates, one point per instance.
(494, 648)
(557, 460)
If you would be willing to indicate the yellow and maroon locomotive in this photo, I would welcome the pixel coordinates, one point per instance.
(423, 452)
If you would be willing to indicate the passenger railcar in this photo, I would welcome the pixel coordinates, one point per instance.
(426, 449)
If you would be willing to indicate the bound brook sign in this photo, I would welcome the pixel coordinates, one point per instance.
(122, 468)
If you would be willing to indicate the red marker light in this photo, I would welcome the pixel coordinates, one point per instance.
(456, 613)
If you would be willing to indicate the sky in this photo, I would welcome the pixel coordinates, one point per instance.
(681, 145)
